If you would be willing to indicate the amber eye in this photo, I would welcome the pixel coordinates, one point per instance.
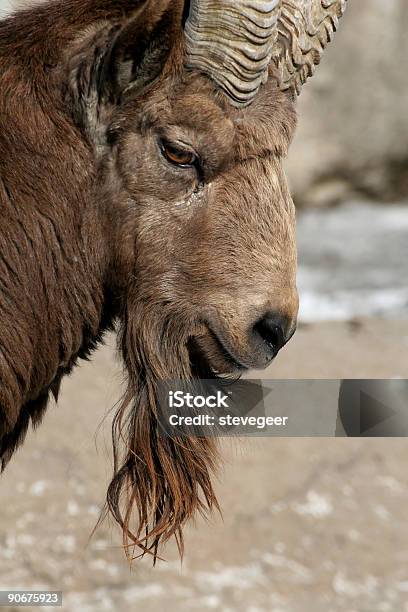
(178, 157)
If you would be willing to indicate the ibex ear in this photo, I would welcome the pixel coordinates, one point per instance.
(112, 60)
(137, 51)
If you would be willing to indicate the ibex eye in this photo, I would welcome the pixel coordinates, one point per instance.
(177, 156)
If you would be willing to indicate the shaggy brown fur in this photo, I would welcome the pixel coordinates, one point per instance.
(97, 226)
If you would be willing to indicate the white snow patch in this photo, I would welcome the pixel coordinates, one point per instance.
(353, 262)
(345, 305)
(212, 602)
(316, 505)
(382, 512)
(101, 565)
(22, 522)
(344, 586)
(66, 543)
(244, 577)
(72, 508)
(299, 572)
(390, 483)
(143, 592)
(25, 539)
(38, 488)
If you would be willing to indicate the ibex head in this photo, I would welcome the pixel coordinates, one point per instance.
(189, 109)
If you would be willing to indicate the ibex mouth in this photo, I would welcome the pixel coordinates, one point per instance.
(210, 357)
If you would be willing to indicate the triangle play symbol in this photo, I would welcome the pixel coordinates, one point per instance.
(372, 412)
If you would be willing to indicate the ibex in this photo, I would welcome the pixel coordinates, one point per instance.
(141, 186)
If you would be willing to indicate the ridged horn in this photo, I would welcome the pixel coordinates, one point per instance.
(305, 28)
(233, 41)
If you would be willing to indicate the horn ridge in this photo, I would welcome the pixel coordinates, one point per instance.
(232, 42)
(305, 28)
(235, 41)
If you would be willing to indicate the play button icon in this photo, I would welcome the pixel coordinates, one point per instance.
(373, 408)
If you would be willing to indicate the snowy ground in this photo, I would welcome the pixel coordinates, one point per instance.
(309, 524)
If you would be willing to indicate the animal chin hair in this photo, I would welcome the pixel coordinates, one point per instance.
(159, 482)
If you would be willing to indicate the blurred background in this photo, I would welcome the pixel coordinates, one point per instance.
(308, 524)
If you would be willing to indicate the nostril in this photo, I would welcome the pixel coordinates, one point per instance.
(271, 331)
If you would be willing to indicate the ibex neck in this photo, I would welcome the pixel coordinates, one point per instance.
(53, 301)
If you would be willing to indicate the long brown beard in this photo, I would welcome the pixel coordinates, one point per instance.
(159, 482)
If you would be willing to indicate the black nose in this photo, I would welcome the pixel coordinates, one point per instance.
(271, 333)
